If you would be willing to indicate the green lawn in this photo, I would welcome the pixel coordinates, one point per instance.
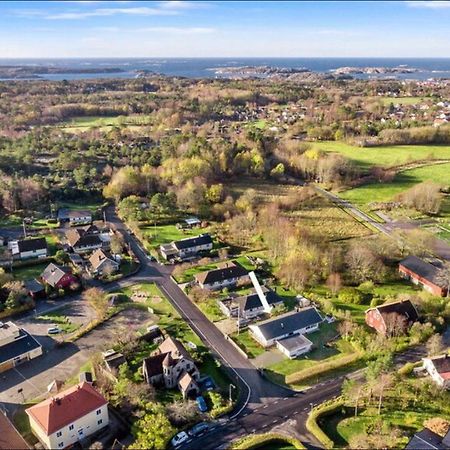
(248, 344)
(29, 272)
(386, 156)
(211, 310)
(22, 423)
(377, 192)
(85, 122)
(59, 320)
(402, 100)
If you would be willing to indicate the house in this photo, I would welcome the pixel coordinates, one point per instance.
(168, 366)
(29, 248)
(34, 288)
(69, 417)
(228, 274)
(290, 324)
(73, 217)
(102, 264)
(58, 277)
(438, 368)
(81, 241)
(428, 440)
(294, 346)
(153, 334)
(192, 222)
(392, 317)
(16, 346)
(10, 439)
(423, 274)
(187, 247)
(249, 306)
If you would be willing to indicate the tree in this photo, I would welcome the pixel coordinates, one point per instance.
(437, 425)
(435, 345)
(182, 412)
(61, 257)
(154, 430)
(96, 297)
(334, 282)
(443, 277)
(117, 243)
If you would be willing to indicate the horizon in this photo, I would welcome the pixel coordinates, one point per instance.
(218, 29)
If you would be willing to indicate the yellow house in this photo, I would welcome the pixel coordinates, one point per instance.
(69, 417)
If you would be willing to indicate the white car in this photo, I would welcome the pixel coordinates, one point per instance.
(179, 439)
(54, 330)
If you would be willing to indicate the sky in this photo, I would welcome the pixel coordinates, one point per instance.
(64, 29)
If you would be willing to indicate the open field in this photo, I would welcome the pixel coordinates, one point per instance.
(377, 192)
(29, 272)
(402, 100)
(385, 156)
(80, 124)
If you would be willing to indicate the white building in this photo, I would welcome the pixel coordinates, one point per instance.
(29, 248)
(294, 346)
(16, 346)
(187, 247)
(268, 332)
(438, 368)
(69, 417)
(227, 275)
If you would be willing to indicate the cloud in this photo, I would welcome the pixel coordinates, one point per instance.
(177, 30)
(430, 4)
(177, 4)
(104, 12)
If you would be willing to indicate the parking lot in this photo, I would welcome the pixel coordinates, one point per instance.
(29, 381)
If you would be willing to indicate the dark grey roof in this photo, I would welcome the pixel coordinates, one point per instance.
(233, 270)
(404, 308)
(252, 301)
(422, 268)
(425, 440)
(289, 323)
(28, 245)
(34, 286)
(23, 344)
(203, 239)
(65, 214)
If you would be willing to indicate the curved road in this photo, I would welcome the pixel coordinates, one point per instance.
(262, 404)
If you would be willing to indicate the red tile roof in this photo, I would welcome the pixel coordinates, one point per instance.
(9, 436)
(65, 408)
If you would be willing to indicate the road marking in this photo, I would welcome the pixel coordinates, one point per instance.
(295, 412)
(285, 398)
(265, 406)
(275, 402)
(199, 332)
(275, 421)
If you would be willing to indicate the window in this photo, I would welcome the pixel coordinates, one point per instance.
(70, 427)
(61, 445)
(59, 434)
(99, 422)
(99, 411)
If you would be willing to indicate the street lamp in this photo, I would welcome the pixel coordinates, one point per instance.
(311, 405)
(234, 387)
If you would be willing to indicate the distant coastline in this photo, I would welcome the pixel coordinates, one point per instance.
(363, 68)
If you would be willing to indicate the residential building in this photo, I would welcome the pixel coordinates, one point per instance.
(16, 346)
(428, 440)
(168, 366)
(82, 241)
(438, 368)
(102, 264)
(249, 306)
(10, 439)
(34, 288)
(69, 417)
(392, 318)
(294, 346)
(422, 273)
(268, 332)
(74, 217)
(187, 247)
(29, 248)
(226, 275)
(58, 277)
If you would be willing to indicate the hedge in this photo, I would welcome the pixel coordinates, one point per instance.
(326, 366)
(258, 440)
(313, 427)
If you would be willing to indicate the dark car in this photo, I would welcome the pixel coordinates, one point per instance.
(199, 429)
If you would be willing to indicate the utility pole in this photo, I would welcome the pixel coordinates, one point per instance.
(24, 228)
(234, 387)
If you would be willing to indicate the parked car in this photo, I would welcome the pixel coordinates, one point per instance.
(54, 330)
(179, 438)
(199, 429)
(201, 404)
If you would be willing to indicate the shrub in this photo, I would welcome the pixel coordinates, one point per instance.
(351, 295)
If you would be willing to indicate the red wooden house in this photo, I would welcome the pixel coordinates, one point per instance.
(58, 277)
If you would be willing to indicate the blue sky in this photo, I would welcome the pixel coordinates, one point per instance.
(228, 28)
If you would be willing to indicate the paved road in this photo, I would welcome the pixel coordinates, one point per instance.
(440, 247)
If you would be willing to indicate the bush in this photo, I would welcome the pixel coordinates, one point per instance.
(264, 441)
(351, 295)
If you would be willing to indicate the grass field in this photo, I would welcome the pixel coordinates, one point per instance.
(402, 100)
(376, 192)
(248, 344)
(29, 272)
(80, 124)
(61, 321)
(385, 156)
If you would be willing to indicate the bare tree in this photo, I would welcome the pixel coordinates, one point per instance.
(435, 345)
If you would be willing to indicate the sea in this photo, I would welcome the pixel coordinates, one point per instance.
(429, 68)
